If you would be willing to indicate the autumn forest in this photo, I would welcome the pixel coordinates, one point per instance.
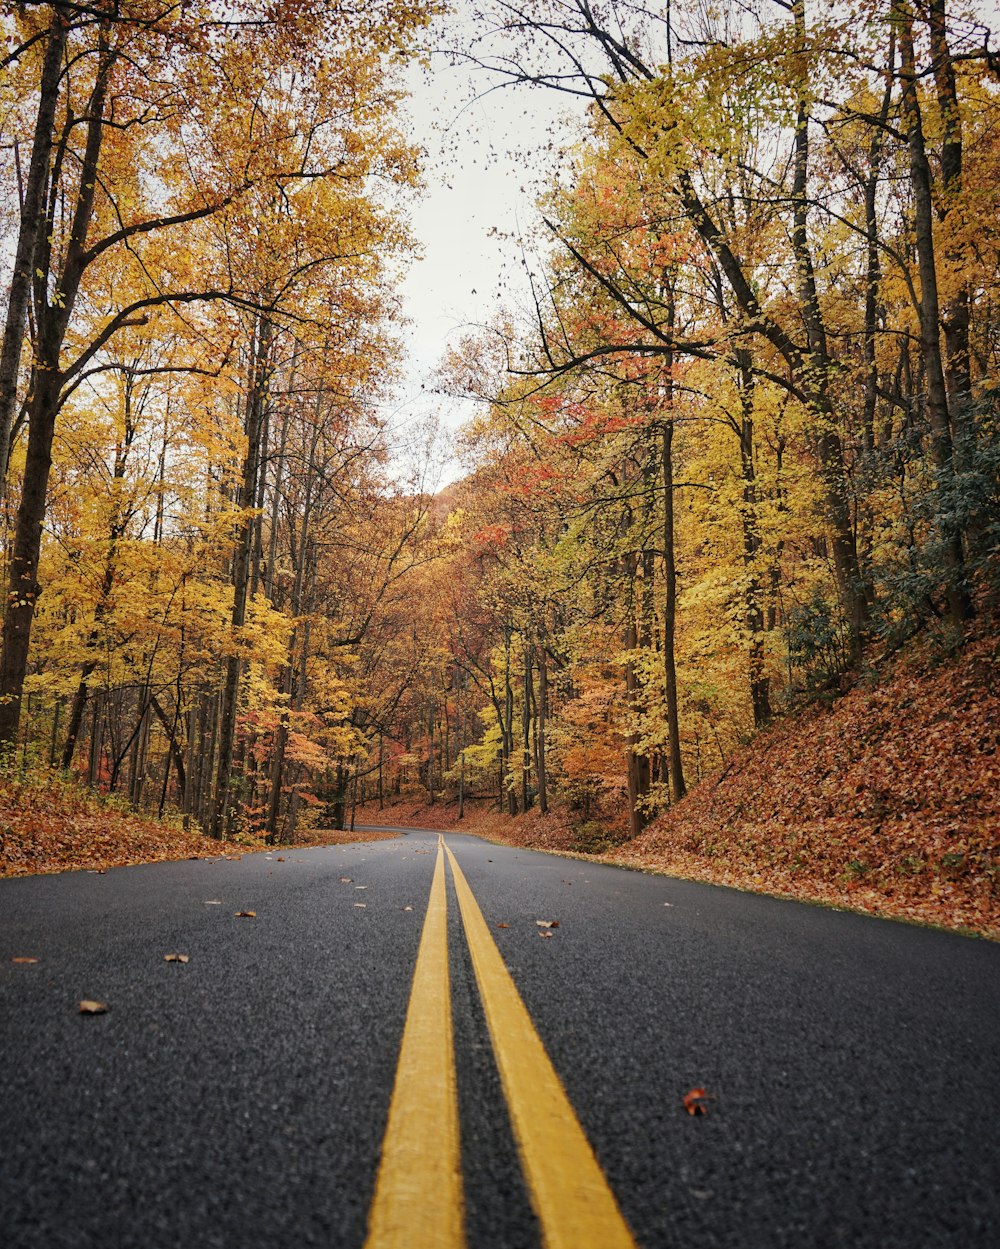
(735, 449)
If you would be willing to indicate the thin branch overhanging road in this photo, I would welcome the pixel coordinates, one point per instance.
(243, 1098)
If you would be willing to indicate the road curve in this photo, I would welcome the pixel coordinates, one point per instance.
(247, 1097)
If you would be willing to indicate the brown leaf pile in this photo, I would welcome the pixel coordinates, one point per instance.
(888, 802)
(48, 824)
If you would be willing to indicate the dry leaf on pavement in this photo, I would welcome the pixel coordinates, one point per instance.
(24, 959)
(547, 923)
(175, 958)
(694, 1102)
(245, 914)
(88, 1007)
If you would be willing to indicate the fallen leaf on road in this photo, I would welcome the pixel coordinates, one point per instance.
(503, 925)
(360, 886)
(407, 908)
(347, 880)
(547, 923)
(546, 934)
(694, 1102)
(668, 904)
(362, 905)
(213, 902)
(23, 959)
(280, 859)
(88, 1007)
(245, 914)
(175, 958)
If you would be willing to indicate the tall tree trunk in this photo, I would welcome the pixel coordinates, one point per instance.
(260, 370)
(288, 680)
(23, 588)
(873, 260)
(33, 218)
(955, 313)
(526, 751)
(636, 815)
(96, 739)
(430, 754)
(543, 711)
(675, 763)
(942, 446)
(508, 726)
(817, 374)
(47, 377)
(760, 683)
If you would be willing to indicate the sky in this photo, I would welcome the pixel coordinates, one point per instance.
(483, 169)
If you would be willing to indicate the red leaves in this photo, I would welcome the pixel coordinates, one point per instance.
(491, 536)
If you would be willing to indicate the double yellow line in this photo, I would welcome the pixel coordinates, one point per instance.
(418, 1194)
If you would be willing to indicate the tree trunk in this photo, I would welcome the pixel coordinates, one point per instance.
(53, 321)
(288, 681)
(96, 739)
(873, 261)
(526, 729)
(508, 726)
(760, 683)
(636, 816)
(675, 763)
(430, 755)
(33, 219)
(257, 399)
(942, 448)
(23, 587)
(543, 699)
(816, 376)
(955, 314)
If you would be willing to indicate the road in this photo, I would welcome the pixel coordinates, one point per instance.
(245, 1097)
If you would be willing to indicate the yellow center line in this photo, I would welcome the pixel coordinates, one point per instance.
(575, 1206)
(418, 1193)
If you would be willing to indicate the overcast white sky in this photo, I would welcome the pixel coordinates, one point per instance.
(482, 172)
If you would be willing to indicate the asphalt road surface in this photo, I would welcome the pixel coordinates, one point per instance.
(245, 1097)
